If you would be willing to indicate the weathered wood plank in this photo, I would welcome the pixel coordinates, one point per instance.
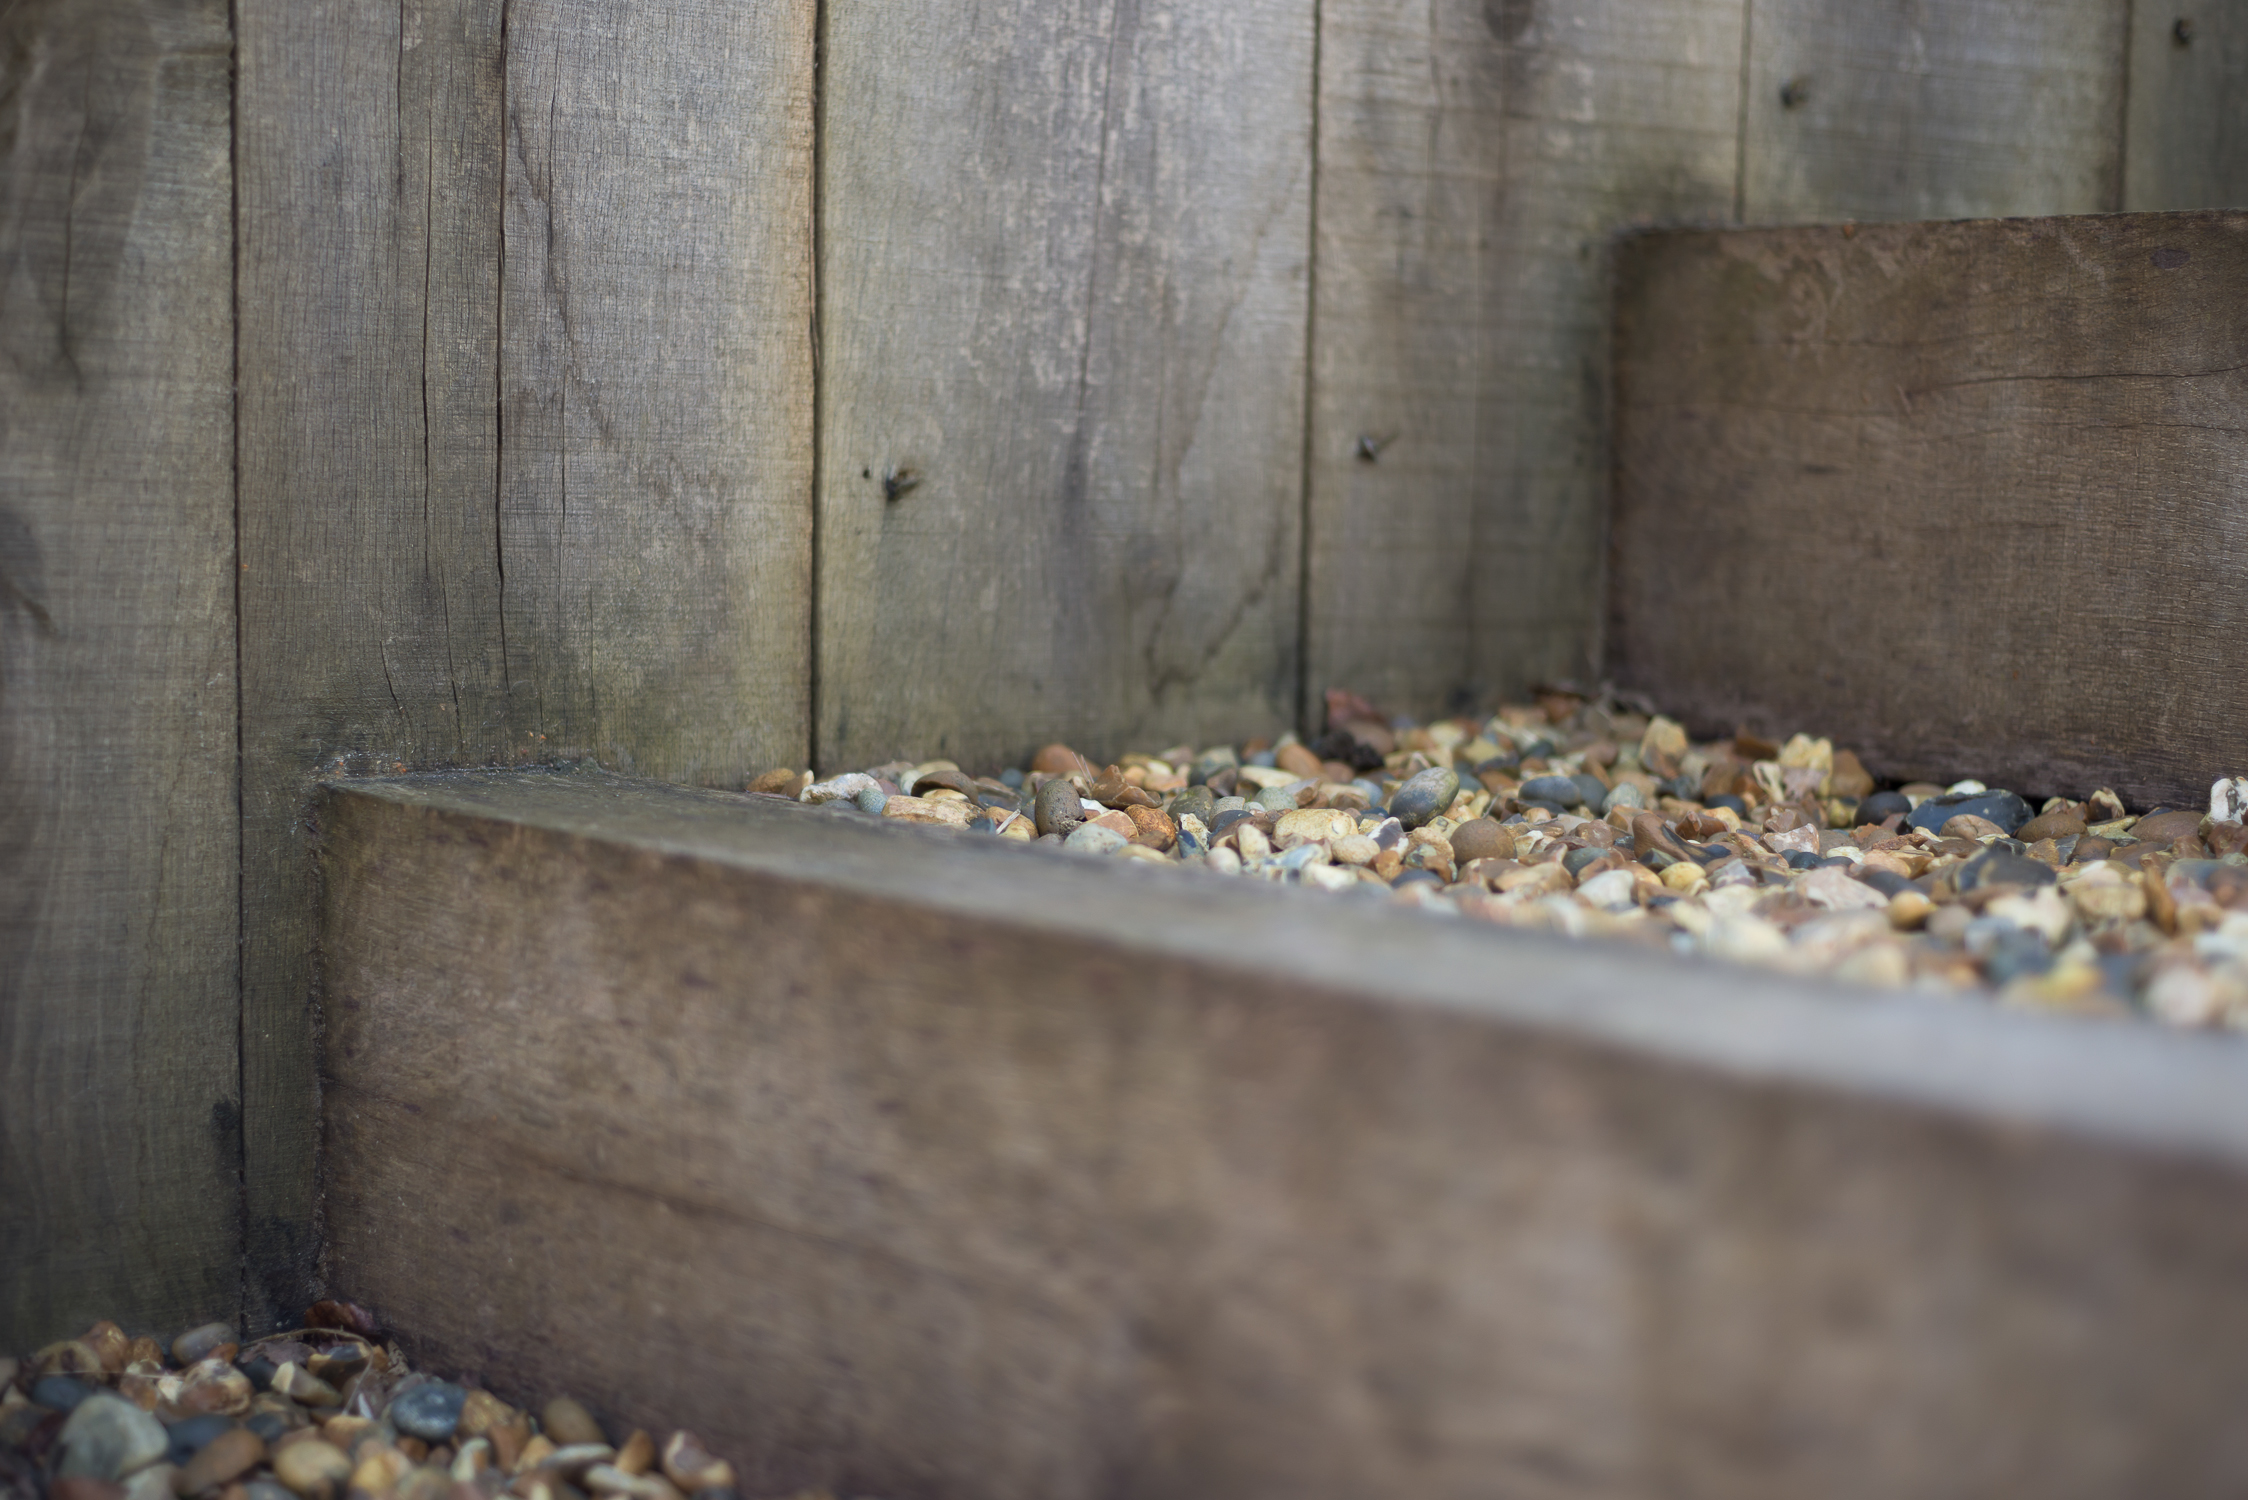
(119, 1104)
(935, 1167)
(655, 486)
(1966, 496)
(1908, 109)
(1064, 261)
(525, 432)
(368, 166)
(2183, 144)
(1474, 160)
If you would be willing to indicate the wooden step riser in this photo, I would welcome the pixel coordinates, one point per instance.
(910, 1164)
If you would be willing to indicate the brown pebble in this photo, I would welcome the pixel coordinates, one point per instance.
(1849, 780)
(482, 1412)
(84, 1487)
(1968, 826)
(775, 780)
(1298, 760)
(108, 1341)
(508, 1440)
(201, 1342)
(567, 1422)
(1152, 827)
(230, 1455)
(1060, 760)
(2166, 828)
(2057, 824)
(1482, 838)
(638, 1455)
(413, 1447)
(70, 1357)
(2092, 847)
(2226, 838)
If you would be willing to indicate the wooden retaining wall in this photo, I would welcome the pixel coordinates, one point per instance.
(1991, 474)
(698, 386)
(898, 1162)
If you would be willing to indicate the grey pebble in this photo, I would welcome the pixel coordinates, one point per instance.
(107, 1437)
(1425, 796)
(429, 1412)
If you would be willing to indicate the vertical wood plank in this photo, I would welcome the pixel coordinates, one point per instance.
(526, 432)
(1064, 284)
(1474, 160)
(368, 156)
(655, 493)
(1933, 109)
(2186, 142)
(119, 1105)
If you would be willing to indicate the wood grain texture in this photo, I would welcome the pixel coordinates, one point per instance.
(525, 432)
(895, 1162)
(1064, 260)
(1932, 109)
(1474, 161)
(119, 1105)
(1967, 497)
(368, 190)
(2184, 142)
(655, 479)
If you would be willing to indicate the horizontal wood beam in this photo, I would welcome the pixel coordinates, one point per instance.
(1969, 497)
(903, 1162)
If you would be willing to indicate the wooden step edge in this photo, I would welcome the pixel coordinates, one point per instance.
(898, 1165)
(2129, 1083)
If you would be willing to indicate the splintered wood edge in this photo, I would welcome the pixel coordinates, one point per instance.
(2121, 1083)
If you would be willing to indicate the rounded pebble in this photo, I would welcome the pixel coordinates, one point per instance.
(1091, 838)
(569, 1424)
(61, 1392)
(429, 1412)
(1424, 796)
(107, 1437)
(201, 1342)
(228, 1456)
(311, 1468)
(1561, 791)
(1624, 794)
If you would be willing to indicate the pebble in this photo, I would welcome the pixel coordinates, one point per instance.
(2004, 809)
(1424, 796)
(202, 1342)
(61, 1392)
(1560, 791)
(570, 1424)
(429, 1412)
(312, 1469)
(1482, 838)
(1586, 816)
(226, 1457)
(1058, 808)
(2228, 799)
(840, 789)
(1092, 838)
(108, 1437)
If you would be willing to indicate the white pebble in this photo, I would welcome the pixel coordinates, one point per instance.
(839, 789)
(2228, 799)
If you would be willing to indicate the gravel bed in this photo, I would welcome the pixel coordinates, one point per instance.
(1581, 814)
(330, 1411)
